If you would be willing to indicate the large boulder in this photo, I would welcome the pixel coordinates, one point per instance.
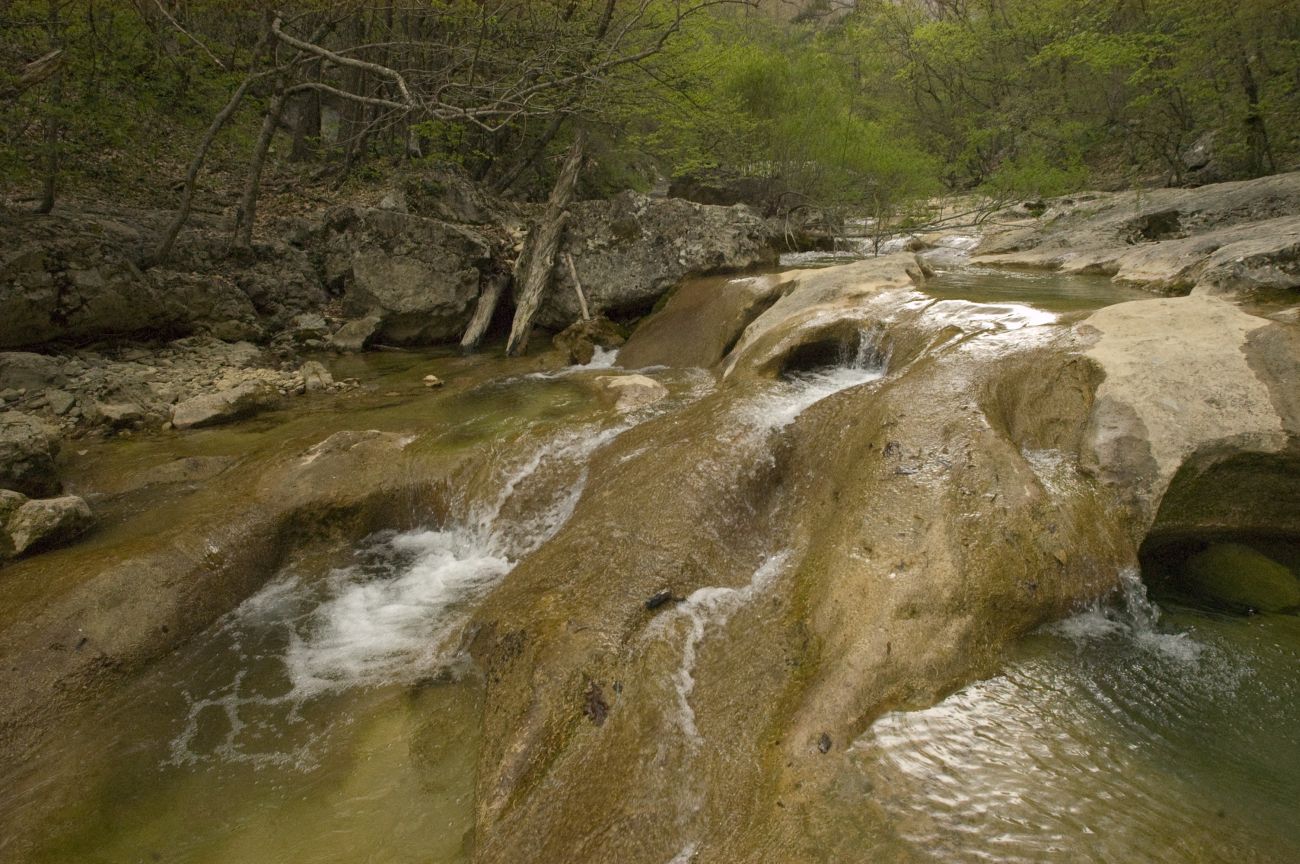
(1239, 238)
(630, 250)
(222, 406)
(27, 451)
(419, 276)
(80, 277)
(50, 522)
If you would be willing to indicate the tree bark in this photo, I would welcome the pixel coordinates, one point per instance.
(488, 299)
(247, 212)
(538, 258)
(164, 247)
(52, 120)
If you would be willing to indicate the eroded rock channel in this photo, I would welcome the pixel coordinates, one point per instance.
(728, 612)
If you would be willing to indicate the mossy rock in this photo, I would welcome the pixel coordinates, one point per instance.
(1238, 575)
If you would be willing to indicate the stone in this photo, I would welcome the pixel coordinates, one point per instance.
(629, 251)
(432, 381)
(419, 276)
(355, 334)
(119, 415)
(27, 451)
(315, 377)
(60, 401)
(629, 392)
(22, 370)
(9, 502)
(578, 342)
(225, 405)
(1241, 577)
(40, 524)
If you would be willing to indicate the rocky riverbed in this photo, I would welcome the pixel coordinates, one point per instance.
(670, 587)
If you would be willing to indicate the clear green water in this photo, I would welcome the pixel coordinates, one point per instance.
(1108, 737)
(1052, 292)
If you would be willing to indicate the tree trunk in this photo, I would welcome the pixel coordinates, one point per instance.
(538, 257)
(52, 120)
(512, 175)
(164, 247)
(1261, 154)
(247, 212)
(483, 312)
(306, 122)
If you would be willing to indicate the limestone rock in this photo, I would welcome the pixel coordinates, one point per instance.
(420, 276)
(27, 451)
(315, 377)
(629, 392)
(223, 406)
(22, 370)
(48, 522)
(355, 334)
(631, 250)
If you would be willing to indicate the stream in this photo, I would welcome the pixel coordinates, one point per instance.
(334, 716)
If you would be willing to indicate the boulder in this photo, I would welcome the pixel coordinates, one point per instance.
(119, 415)
(419, 276)
(355, 334)
(233, 403)
(629, 251)
(27, 451)
(578, 342)
(315, 377)
(629, 392)
(21, 370)
(49, 522)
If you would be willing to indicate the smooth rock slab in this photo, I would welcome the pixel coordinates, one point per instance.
(223, 406)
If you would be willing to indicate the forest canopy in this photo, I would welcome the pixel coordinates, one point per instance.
(858, 105)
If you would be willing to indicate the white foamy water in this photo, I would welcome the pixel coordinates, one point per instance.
(393, 616)
(709, 609)
(1131, 616)
(392, 621)
(374, 630)
(780, 407)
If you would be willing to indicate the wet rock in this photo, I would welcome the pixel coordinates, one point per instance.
(41, 524)
(629, 392)
(1241, 577)
(356, 334)
(223, 406)
(315, 377)
(701, 321)
(578, 342)
(27, 450)
(631, 250)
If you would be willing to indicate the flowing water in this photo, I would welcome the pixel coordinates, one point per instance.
(333, 717)
(1129, 732)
